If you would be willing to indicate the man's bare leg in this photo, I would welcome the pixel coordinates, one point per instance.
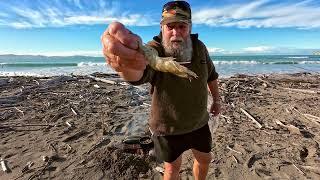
(201, 164)
(171, 170)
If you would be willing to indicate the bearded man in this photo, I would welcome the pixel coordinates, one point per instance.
(179, 116)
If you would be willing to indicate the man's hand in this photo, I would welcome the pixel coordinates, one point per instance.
(120, 48)
(215, 108)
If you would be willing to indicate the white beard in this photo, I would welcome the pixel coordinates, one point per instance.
(182, 53)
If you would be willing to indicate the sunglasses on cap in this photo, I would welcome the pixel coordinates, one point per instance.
(173, 4)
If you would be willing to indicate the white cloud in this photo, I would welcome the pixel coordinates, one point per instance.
(260, 14)
(258, 49)
(213, 50)
(73, 12)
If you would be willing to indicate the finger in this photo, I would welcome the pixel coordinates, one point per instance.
(130, 64)
(115, 47)
(116, 66)
(136, 65)
(125, 36)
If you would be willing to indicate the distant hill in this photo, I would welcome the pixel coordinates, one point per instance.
(14, 57)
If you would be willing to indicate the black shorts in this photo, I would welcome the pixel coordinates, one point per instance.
(169, 148)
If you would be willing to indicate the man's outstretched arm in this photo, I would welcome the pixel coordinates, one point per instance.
(120, 48)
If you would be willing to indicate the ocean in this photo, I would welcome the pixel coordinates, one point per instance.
(226, 66)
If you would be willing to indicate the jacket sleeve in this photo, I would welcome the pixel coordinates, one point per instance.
(147, 76)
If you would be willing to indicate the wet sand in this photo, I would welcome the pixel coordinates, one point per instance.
(74, 127)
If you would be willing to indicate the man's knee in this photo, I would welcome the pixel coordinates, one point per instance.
(201, 157)
(173, 167)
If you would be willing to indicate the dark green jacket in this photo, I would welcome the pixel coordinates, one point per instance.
(178, 105)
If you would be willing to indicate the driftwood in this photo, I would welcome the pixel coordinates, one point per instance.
(27, 166)
(235, 159)
(312, 117)
(309, 117)
(75, 136)
(129, 113)
(299, 169)
(103, 141)
(4, 166)
(25, 125)
(113, 82)
(19, 111)
(311, 168)
(74, 112)
(108, 81)
(301, 90)
(249, 116)
(291, 128)
(69, 124)
(228, 147)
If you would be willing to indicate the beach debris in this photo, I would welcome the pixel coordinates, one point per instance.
(235, 159)
(291, 128)
(74, 112)
(228, 147)
(44, 158)
(159, 169)
(236, 85)
(69, 124)
(145, 105)
(26, 125)
(4, 166)
(114, 82)
(36, 82)
(134, 139)
(54, 149)
(312, 117)
(165, 64)
(75, 136)
(253, 159)
(96, 86)
(146, 143)
(46, 166)
(226, 117)
(108, 81)
(20, 111)
(298, 169)
(103, 141)
(309, 117)
(301, 90)
(313, 169)
(69, 147)
(27, 166)
(138, 113)
(253, 119)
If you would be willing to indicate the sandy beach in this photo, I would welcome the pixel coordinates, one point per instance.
(89, 127)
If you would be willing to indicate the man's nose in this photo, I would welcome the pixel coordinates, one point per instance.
(175, 31)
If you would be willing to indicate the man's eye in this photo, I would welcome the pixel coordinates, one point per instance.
(170, 27)
(182, 27)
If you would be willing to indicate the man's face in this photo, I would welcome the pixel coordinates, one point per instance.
(176, 40)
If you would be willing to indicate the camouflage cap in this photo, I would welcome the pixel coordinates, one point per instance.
(176, 11)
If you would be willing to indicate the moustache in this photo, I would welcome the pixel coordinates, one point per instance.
(178, 40)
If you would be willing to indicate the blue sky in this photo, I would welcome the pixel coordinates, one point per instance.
(227, 27)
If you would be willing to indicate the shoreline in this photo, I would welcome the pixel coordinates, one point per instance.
(79, 124)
